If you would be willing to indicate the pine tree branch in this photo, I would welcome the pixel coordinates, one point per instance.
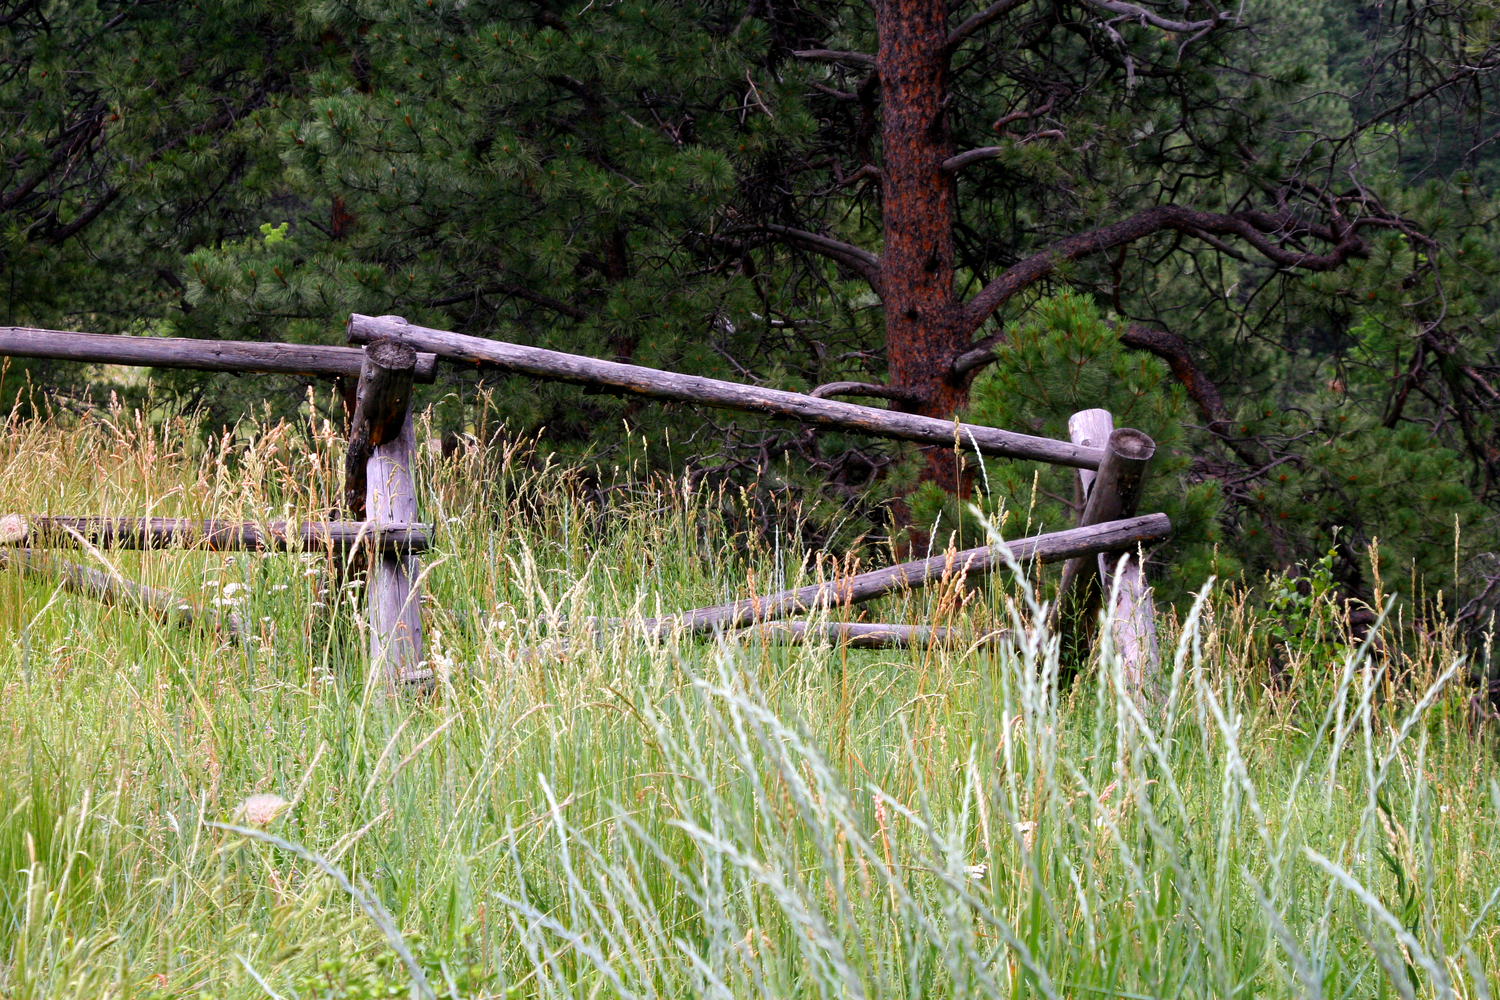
(835, 55)
(1174, 351)
(954, 164)
(978, 21)
(865, 389)
(1265, 233)
(1143, 16)
(518, 291)
(861, 261)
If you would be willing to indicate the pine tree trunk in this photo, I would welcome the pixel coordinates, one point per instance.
(925, 328)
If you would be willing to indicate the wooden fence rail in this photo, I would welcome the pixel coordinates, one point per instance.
(189, 533)
(380, 491)
(113, 590)
(200, 355)
(1053, 547)
(656, 384)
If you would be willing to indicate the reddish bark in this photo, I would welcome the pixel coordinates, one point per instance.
(925, 323)
(930, 355)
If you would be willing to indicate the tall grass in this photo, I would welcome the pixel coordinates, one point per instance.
(614, 817)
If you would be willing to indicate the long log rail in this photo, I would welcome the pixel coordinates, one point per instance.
(657, 384)
(248, 357)
(225, 536)
(1057, 546)
(868, 635)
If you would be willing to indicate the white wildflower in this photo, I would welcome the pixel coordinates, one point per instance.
(261, 809)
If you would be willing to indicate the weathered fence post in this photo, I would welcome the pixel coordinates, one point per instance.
(378, 487)
(1112, 493)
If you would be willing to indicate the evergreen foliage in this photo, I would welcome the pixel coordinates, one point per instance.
(1064, 357)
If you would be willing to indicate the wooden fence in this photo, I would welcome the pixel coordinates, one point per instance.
(1100, 555)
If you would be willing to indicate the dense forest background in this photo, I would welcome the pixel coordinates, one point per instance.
(1265, 235)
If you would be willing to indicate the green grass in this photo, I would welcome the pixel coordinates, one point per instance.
(632, 819)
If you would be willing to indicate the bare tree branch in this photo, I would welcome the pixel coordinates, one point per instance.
(831, 389)
(1262, 231)
(518, 291)
(834, 55)
(975, 22)
(1144, 16)
(861, 261)
(954, 164)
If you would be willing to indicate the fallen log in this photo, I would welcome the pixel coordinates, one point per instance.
(216, 536)
(112, 590)
(658, 384)
(1056, 546)
(866, 635)
(201, 355)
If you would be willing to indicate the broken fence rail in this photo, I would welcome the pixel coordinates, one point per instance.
(110, 589)
(1113, 536)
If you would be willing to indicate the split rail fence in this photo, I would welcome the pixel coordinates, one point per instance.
(1101, 555)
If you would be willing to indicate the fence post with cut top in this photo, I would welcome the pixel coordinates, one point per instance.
(1111, 493)
(378, 486)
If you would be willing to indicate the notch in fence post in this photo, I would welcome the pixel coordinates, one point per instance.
(378, 487)
(1112, 493)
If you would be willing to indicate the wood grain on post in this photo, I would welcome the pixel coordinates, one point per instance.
(202, 355)
(656, 384)
(380, 412)
(216, 536)
(1112, 493)
(1089, 429)
(1056, 546)
(382, 443)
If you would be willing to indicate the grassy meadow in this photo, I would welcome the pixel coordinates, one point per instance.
(717, 819)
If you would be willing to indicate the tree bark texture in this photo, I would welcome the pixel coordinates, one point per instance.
(925, 323)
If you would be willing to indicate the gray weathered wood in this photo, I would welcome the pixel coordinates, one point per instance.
(1113, 494)
(1089, 429)
(1134, 629)
(727, 395)
(866, 635)
(1079, 590)
(1054, 547)
(380, 412)
(202, 355)
(108, 589)
(189, 533)
(395, 597)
